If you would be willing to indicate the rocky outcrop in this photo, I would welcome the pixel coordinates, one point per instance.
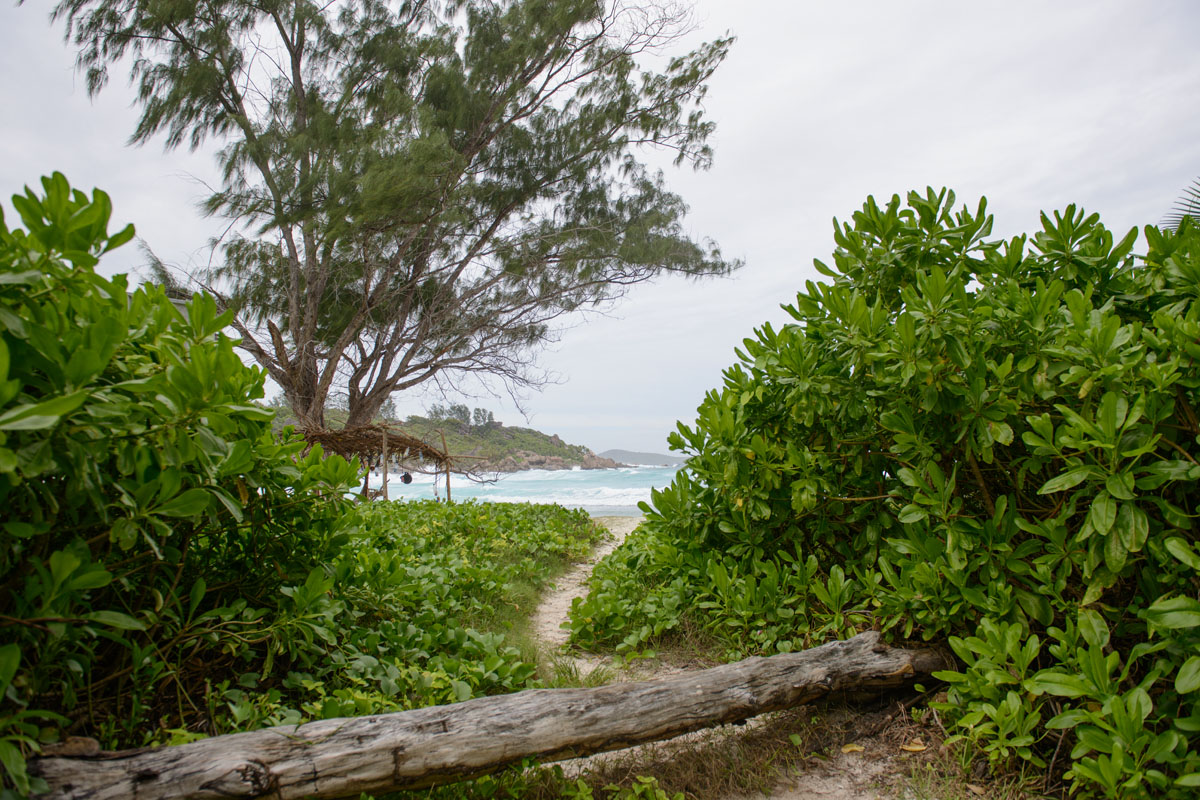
(593, 461)
(524, 459)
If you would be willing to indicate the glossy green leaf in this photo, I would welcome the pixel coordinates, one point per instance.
(119, 238)
(1188, 678)
(1132, 527)
(1093, 628)
(1174, 613)
(1111, 415)
(115, 619)
(29, 276)
(1120, 486)
(1103, 512)
(35, 416)
(124, 532)
(1115, 551)
(1068, 480)
(1002, 432)
(96, 577)
(188, 504)
(1057, 683)
(1069, 719)
(1036, 606)
(1183, 551)
(14, 766)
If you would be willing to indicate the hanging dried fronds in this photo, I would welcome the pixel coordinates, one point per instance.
(367, 442)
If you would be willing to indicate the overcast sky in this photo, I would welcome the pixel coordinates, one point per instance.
(1034, 105)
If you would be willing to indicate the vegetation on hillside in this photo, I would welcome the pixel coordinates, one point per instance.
(484, 444)
(494, 446)
(990, 443)
(171, 568)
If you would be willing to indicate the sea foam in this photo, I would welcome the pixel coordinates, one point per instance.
(599, 491)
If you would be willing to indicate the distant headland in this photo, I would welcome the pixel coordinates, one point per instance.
(643, 459)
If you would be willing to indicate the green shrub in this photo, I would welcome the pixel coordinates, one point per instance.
(435, 587)
(171, 569)
(152, 523)
(412, 611)
(992, 441)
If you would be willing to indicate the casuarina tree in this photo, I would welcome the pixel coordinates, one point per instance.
(418, 189)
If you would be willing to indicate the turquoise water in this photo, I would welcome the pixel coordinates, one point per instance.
(600, 492)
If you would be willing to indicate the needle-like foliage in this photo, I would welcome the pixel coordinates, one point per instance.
(417, 189)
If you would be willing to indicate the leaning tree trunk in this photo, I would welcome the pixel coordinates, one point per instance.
(413, 749)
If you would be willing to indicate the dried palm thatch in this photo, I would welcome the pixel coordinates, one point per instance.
(371, 442)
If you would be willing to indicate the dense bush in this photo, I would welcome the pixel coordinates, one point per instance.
(171, 569)
(990, 442)
(150, 518)
(412, 611)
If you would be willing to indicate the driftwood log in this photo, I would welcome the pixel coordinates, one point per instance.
(441, 744)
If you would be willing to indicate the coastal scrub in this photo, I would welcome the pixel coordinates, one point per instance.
(172, 568)
(990, 443)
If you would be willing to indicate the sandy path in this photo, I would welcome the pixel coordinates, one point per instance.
(552, 613)
(840, 777)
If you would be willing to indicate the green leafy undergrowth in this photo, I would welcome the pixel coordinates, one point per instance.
(152, 522)
(414, 611)
(491, 560)
(653, 588)
(988, 443)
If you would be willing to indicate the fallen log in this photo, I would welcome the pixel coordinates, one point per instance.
(442, 744)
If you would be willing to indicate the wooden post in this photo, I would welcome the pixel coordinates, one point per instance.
(446, 461)
(385, 465)
(444, 744)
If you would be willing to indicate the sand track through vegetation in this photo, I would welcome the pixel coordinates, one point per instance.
(552, 612)
(870, 773)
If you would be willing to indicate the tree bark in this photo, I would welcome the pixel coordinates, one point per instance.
(442, 744)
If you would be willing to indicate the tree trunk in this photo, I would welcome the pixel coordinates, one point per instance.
(363, 409)
(442, 744)
(308, 414)
(304, 395)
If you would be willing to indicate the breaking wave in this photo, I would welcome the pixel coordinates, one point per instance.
(598, 491)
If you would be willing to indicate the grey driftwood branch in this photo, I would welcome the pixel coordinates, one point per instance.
(442, 744)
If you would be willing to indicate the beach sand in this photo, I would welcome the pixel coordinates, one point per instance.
(553, 611)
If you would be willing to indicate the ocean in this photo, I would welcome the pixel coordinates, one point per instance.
(600, 492)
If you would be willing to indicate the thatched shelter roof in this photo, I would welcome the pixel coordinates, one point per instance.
(368, 442)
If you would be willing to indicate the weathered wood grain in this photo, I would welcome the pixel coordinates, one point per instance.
(411, 749)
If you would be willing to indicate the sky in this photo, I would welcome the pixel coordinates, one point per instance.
(1034, 105)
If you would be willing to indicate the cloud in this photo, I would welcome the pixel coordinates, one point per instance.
(51, 125)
